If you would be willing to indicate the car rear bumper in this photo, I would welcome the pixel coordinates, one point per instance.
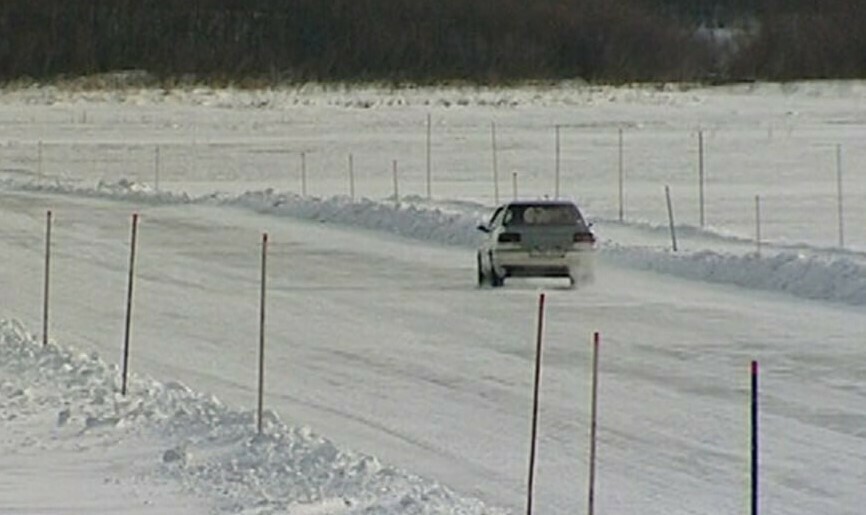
(523, 263)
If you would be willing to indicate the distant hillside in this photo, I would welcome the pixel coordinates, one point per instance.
(489, 41)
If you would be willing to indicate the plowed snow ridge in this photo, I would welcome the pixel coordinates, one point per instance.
(835, 276)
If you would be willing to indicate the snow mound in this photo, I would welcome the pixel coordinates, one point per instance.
(139, 91)
(137, 88)
(832, 276)
(210, 449)
(810, 277)
(123, 189)
(407, 219)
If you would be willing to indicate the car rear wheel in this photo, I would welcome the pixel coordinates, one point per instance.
(495, 279)
(482, 277)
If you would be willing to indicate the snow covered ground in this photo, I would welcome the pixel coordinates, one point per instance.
(393, 384)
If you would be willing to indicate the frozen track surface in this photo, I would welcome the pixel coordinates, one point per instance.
(386, 346)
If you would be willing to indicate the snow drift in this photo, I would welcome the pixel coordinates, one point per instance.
(206, 447)
(836, 276)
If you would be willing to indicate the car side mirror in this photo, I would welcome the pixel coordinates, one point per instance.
(483, 228)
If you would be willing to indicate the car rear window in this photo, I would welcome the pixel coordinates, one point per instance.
(555, 214)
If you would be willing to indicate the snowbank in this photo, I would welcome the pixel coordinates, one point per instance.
(562, 93)
(208, 448)
(353, 97)
(825, 275)
(809, 277)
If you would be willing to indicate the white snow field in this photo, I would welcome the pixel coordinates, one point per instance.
(393, 383)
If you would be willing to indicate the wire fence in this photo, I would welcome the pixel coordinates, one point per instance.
(805, 174)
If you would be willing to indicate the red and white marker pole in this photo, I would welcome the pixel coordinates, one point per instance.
(262, 332)
(754, 438)
(129, 302)
(47, 277)
(535, 395)
(593, 424)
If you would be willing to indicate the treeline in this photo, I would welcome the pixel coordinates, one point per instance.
(432, 40)
(806, 39)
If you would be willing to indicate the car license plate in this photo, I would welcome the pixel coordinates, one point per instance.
(546, 254)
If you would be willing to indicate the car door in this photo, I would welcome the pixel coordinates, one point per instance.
(494, 227)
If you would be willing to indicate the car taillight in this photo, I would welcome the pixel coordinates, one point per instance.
(584, 237)
(509, 237)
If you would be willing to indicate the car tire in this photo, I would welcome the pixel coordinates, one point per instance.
(482, 277)
(495, 279)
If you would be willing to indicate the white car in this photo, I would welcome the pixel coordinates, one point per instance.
(539, 238)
